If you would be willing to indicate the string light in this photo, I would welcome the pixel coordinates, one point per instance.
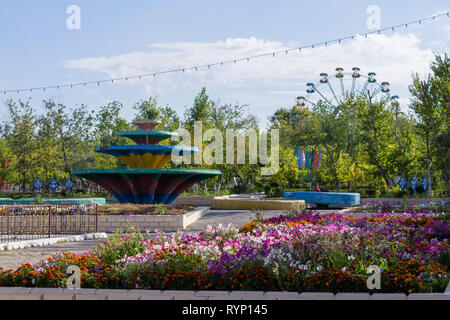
(434, 18)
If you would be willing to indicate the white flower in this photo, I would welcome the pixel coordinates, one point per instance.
(319, 268)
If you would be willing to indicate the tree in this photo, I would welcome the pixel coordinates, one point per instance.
(21, 140)
(6, 157)
(201, 110)
(375, 121)
(169, 119)
(71, 133)
(107, 123)
(148, 109)
(430, 104)
(236, 117)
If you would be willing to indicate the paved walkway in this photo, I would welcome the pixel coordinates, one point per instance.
(14, 258)
(237, 218)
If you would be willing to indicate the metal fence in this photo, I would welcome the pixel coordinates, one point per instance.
(44, 221)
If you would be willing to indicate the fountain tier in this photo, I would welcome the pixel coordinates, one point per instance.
(146, 182)
(146, 186)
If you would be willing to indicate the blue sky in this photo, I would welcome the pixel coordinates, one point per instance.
(119, 38)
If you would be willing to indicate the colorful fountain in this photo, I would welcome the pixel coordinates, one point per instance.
(145, 181)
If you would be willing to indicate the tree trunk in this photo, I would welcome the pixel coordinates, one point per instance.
(375, 136)
(430, 190)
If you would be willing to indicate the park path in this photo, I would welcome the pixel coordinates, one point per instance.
(237, 218)
(14, 258)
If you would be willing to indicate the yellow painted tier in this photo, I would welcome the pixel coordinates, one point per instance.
(146, 161)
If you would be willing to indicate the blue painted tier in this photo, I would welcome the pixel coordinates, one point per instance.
(325, 198)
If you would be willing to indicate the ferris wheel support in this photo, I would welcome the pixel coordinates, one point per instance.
(370, 87)
(340, 76)
(355, 76)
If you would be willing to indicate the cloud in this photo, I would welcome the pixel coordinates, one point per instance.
(442, 11)
(393, 57)
(446, 28)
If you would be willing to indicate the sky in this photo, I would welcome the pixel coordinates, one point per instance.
(119, 39)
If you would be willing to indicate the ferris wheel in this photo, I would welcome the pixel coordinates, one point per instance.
(334, 90)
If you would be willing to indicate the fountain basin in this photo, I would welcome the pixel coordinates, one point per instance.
(146, 186)
(325, 198)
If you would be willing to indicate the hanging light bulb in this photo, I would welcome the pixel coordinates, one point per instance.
(394, 100)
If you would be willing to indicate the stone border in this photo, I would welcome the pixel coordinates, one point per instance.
(49, 241)
(166, 223)
(19, 293)
(233, 202)
(196, 201)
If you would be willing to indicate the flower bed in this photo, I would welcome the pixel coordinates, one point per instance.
(388, 206)
(143, 209)
(303, 252)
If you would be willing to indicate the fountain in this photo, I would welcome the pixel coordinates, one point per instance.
(145, 181)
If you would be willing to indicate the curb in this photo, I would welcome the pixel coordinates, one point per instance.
(194, 215)
(15, 245)
(20, 293)
(166, 223)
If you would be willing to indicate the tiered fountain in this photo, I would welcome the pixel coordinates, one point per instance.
(145, 182)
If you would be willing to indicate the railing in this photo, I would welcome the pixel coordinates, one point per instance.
(19, 223)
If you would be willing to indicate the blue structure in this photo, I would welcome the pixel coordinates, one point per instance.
(325, 198)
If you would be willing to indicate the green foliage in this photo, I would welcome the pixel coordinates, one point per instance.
(200, 111)
(38, 199)
(160, 209)
(123, 242)
(21, 140)
(365, 142)
(148, 109)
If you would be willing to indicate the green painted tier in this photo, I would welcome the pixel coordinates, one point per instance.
(146, 186)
